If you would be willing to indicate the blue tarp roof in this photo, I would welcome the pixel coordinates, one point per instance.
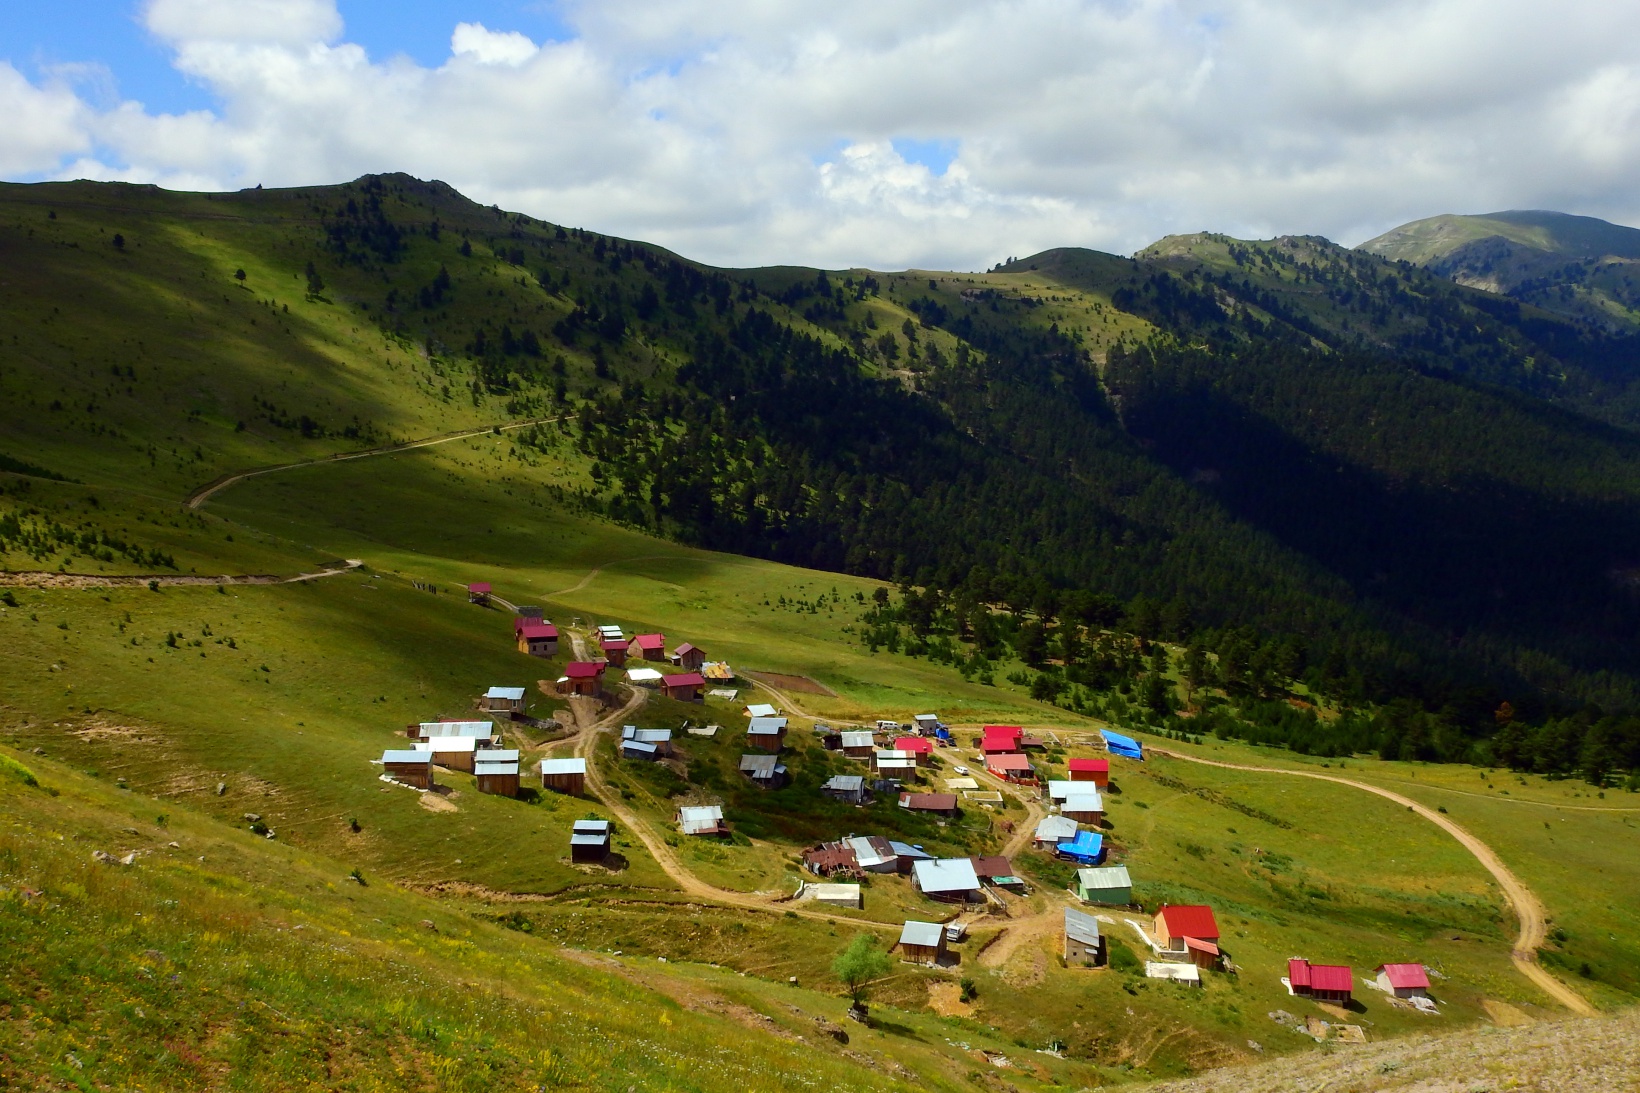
(1122, 745)
(1086, 847)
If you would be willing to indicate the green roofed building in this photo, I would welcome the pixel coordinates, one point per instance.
(1109, 885)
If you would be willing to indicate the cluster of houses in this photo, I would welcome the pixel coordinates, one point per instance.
(586, 677)
(1335, 982)
(465, 745)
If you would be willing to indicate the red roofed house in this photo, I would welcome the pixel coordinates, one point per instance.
(919, 746)
(1404, 980)
(651, 646)
(537, 638)
(1324, 982)
(995, 739)
(685, 687)
(614, 650)
(1012, 766)
(582, 677)
(479, 593)
(1190, 931)
(687, 656)
(943, 803)
(1096, 771)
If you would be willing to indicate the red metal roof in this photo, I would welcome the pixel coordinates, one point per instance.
(1298, 973)
(1405, 975)
(918, 744)
(537, 630)
(1090, 764)
(1010, 761)
(584, 669)
(684, 679)
(479, 586)
(1013, 732)
(650, 641)
(992, 865)
(612, 644)
(1201, 946)
(685, 648)
(1190, 920)
(1330, 977)
(823, 859)
(995, 745)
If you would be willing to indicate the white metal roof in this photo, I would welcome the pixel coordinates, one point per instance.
(512, 694)
(495, 766)
(693, 818)
(593, 827)
(1060, 788)
(922, 933)
(448, 743)
(946, 875)
(766, 765)
(834, 893)
(761, 709)
(846, 783)
(1054, 828)
(563, 766)
(926, 717)
(1083, 802)
(870, 850)
(1110, 876)
(643, 675)
(457, 728)
(1184, 973)
(858, 739)
(895, 763)
(407, 757)
(766, 726)
(641, 746)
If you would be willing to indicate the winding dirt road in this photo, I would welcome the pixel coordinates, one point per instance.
(1528, 909)
(216, 486)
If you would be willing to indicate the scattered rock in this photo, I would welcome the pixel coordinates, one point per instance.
(174, 845)
(39, 751)
(427, 924)
(1255, 1045)
(129, 859)
(835, 1031)
(221, 788)
(253, 817)
(104, 857)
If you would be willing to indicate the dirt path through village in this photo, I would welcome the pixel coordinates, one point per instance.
(211, 489)
(1528, 909)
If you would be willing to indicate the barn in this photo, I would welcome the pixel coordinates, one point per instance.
(918, 747)
(564, 776)
(846, 787)
(1054, 830)
(1084, 807)
(944, 804)
(497, 772)
(1084, 945)
(702, 820)
(413, 768)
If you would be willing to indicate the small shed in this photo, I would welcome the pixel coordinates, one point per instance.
(564, 776)
(479, 592)
(766, 733)
(503, 700)
(451, 752)
(922, 943)
(949, 880)
(834, 895)
(537, 638)
(614, 650)
(610, 630)
(1084, 945)
(497, 771)
(765, 771)
(846, 787)
(685, 687)
(829, 859)
(687, 656)
(996, 869)
(1110, 886)
(702, 820)
(1054, 830)
(659, 739)
(898, 765)
(649, 646)
(582, 677)
(1096, 771)
(589, 840)
(859, 744)
(413, 768)
(639, 749)
(1403, 980)
(760, 709)
(945, 804)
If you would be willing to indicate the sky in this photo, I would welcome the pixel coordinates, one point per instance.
(934, 134)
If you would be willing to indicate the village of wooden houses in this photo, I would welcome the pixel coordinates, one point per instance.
(925, 767)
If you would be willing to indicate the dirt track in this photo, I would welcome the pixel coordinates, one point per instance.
(212, 488)
(48, 580)
(1528, 909)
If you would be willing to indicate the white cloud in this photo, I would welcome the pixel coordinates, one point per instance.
(489, 47)
(743, 132)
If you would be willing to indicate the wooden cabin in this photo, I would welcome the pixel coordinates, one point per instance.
(922, 943)
(948, 880)
(564, 776)
(766, 733)
(536, 637)
(684, 687)
(1084, 808)
(765, 771)
(413, 768)
(1011, 766)
(921, 748)
(614, 650)
(451, 752)
(1084, 944)
(479, 592)
(649, 646)
(846, 787)
(860, 744)
(1322, 982)
(688, 657)
(582, 677)
(702, 820)
(1096, 771)
(507, 700)
(1189, 931)
(943, 804)
(589, 841)
(1403, 980)
(496, 770)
